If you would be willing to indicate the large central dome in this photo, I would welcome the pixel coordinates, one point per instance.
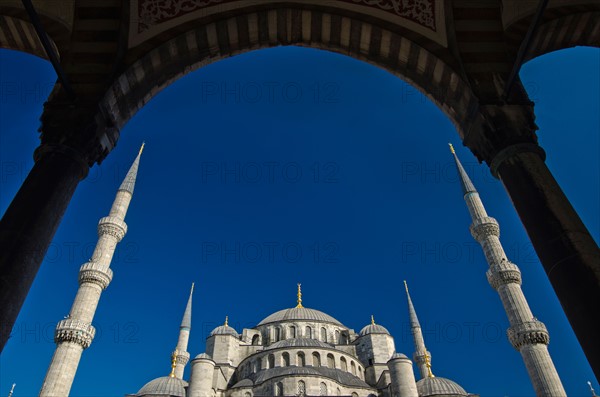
(299, 313)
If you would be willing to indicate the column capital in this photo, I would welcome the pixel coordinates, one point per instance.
(498, 127)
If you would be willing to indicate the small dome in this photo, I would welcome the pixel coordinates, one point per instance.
(398, 355)
(435, 386)
(301, 314)
(224, 330)
(373, 329)
(164, 386)
(204, 356)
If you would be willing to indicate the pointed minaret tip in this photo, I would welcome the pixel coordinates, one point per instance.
(226, 321)
(451, 148)
(186, 322)
(372, 320)
(406, 286)
(129, 181)
(465, 181)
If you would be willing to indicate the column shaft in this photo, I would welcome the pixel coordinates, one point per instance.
(28, 226)
(565, 247)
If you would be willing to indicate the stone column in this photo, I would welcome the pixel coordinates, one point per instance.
(29, 224)
(566, 249)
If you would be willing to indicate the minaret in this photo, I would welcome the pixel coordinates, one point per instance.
(75, 333)
(527, 335)
(181, 354)
(421, 356)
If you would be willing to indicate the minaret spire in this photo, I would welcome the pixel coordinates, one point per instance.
(527, 335)
(421, 356)
(181, 355)
(75, 333)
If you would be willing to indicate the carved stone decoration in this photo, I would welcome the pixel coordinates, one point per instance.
(485, 227)
(71, 330)
(89, 273)
(182, 357)
(501, 276)
(113, 227)
(152, 12)
(418, 11)
(528, 333)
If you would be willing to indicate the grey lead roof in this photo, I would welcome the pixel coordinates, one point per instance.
(299, 342)
(299, 313)
(129, 181)
(436, 386)
(164, 386)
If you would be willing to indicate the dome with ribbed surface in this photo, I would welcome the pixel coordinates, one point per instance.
(164, 386)
(373, 329)
(224, 330)
(299, 342)
(435, 386)
(300, 314)
(398, 355)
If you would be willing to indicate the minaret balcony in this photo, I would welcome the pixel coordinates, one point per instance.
(503, 273)
(112, 226)
(77, 331)
(91, 272)
(484, 227)
(528, 333)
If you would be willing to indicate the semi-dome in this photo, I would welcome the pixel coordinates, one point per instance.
(224, 330)
(164, 386)
(435, 386)
(300, 314)
(373, 329)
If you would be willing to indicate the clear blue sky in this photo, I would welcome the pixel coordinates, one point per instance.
(341, 168)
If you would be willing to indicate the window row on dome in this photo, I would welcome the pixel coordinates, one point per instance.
(300, 390)
(327, 334)
(303, 359)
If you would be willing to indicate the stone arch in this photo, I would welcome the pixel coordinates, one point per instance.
(330, 361)
(354, 36)
(271, 361)
(17, 33)
(343, 364)
(564, 25)
(256, 340)
(301, 359)
(316, 359)
(285, 359)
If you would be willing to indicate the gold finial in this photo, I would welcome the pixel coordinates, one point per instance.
(372, 320)
(451, 148)
(226, 321)
(428, 365)
(142, 148)
(299, 305)
(173, 363)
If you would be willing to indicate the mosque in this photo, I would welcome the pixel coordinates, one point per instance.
(300, 351)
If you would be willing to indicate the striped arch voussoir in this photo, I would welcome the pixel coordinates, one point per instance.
(285, 26)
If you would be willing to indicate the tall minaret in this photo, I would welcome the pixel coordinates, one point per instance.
(75, 333)
(181, 354)
(528, 335)
(421, 356)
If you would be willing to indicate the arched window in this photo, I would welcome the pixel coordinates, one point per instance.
(279, 389)
(247, 394)
(271, 361)
(353, 367)
(337, 337)
(343, 364)
(354, 394)
(277, 334)
(256, 340)
(302, 389)
(323, 334)
(285, 360)
(292, 331)
(316, 359)
(330, 361)
(308, 332)
(258, 365)
(338, 392)
(322, 389)
(301, 360)
(343, 339)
